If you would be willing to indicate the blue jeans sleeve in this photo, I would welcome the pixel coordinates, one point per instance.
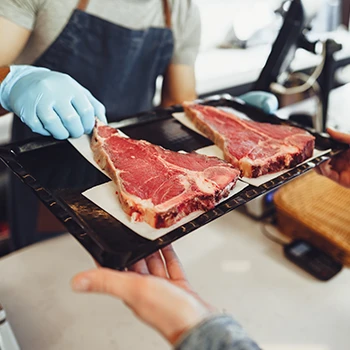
(220, 332)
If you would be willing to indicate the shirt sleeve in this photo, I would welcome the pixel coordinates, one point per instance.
(218, 332)
(188, 32)
(21, 12)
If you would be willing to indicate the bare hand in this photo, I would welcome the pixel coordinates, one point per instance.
(338, 168)
(157, 292)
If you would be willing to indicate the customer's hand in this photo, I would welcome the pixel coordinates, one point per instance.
(50, 103)
(337, 168)
(157, 292)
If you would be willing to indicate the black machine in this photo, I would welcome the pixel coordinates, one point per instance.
(312, 260)
(284, 47)
(292, 36)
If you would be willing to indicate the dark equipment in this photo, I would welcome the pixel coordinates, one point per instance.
(284, 47)
(312, 260)
(292, 36)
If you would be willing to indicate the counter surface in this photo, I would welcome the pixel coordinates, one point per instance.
(229, 262)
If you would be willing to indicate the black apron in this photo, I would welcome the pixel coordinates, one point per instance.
(119, 66)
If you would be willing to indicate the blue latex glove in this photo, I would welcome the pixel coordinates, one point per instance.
(50, 103)
(261, 99)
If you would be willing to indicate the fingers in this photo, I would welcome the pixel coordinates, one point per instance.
(119, 284)
(317, 170)
(337, 169)
(156, 266)
(326, 170)
(140, 267)
(35, 125)
(51, 121)
(62, 120)
(344, 179)
(339, 136)
(70, 119)
(172, 262)
(99, 108)
(85, 111)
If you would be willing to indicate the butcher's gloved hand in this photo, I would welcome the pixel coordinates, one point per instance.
(50, 103)
(261, 99)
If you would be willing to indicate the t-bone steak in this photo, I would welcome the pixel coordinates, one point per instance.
(156, 185)
(255, 148)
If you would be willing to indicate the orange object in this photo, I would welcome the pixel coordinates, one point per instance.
(316, 209)
(4, 231)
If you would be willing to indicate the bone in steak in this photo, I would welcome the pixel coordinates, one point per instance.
(156, 185)
(256, 148)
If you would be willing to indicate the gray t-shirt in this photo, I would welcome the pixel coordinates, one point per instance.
(47, 18)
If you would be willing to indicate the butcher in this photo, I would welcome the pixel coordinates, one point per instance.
(64, 62)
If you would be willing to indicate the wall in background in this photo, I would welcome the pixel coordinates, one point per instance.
(219, 16)
(329, 15)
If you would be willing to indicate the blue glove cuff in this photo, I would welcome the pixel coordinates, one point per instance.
(16, 73)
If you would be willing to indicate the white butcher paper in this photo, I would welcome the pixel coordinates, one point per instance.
(106, 198)
(217, 152)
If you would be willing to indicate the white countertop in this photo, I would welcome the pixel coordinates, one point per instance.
(229, 262)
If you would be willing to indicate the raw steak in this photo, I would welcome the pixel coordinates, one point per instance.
(157, 185)
(256, 148)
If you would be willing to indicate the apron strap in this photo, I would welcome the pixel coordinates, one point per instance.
(83, 4)
(167, 13)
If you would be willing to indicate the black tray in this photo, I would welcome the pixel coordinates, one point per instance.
(58, 174)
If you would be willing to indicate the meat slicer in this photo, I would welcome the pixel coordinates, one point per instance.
(276, 72)
(293, 35)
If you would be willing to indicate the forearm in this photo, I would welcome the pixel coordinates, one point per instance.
(13, 39)
(179, 85)
(4, 71)
(9, 75)
(219, 332)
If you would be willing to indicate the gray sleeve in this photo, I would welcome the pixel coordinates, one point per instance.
(217, 333)
(187, 32)
(21, 12)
